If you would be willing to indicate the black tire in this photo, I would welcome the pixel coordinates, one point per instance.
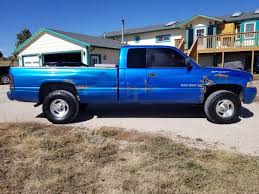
(4, 79)
(217, 97)
(71, 101)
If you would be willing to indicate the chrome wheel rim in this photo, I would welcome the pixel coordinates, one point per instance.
(59, 108)
(5, 79)
(225, 108)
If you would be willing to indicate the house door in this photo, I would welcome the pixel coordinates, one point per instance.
(200, 32)
(190, 38)
(95, 59)
(249, 35)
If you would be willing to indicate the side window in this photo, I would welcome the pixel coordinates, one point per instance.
(136, 58)
(163, 38)
(164, 57)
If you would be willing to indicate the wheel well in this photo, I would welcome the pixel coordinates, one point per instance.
(49, 87)
(236, 89)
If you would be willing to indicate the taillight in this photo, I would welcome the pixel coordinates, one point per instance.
(11, 80)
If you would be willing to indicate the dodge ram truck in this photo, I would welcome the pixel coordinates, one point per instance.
(144, 74)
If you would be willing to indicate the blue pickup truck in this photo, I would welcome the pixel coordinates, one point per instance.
(144, 74)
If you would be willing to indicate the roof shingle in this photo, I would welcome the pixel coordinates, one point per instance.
(243, 16)
(92, 40)
(142, 29)
(227, 18)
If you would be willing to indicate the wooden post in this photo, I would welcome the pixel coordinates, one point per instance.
(197, 57)
(223, 59)
(252, 62)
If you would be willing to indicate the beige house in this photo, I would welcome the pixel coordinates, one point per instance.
(162, 34)
(211, 41)
(170, 34)
(51, 46)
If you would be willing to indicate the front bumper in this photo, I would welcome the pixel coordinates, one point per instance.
(249, 95)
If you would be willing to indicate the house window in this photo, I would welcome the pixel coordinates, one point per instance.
(136, 38)
(249, 30)
(200, 32)
(163, 38)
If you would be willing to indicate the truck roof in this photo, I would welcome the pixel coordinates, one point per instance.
(147, 46)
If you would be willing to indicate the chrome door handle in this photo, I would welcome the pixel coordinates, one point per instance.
(151, 75)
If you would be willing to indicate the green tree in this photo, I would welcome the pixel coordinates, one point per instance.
(1, 54)
(22, 36)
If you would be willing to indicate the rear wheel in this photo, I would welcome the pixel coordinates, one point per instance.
(4, 79)
(222, 107)
(60, 107)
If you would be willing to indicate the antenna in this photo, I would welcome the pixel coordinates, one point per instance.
(122, 30)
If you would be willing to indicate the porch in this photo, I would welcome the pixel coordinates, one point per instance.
(227, 43)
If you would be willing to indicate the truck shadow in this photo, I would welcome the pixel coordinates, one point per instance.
(148, 111)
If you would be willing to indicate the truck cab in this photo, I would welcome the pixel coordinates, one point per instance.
(158, 74)
(144, 74)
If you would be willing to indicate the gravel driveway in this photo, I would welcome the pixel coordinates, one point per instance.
(173, 121)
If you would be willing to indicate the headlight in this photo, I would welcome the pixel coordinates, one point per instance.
(250, 84)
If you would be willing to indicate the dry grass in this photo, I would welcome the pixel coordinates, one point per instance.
(37, 158)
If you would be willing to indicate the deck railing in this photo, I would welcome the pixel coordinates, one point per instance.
(178, 42)
(228, 41)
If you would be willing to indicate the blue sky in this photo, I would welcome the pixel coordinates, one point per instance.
(93, 17)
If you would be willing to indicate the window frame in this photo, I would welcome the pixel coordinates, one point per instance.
(200, 29)
(148, 63)
(163, 35)
(247, 36)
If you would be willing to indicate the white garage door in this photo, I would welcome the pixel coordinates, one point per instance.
(31, 61)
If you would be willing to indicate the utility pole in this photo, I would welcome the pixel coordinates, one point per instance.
(122, 30)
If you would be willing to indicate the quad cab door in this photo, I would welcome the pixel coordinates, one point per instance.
(133, 76)
(169, 80)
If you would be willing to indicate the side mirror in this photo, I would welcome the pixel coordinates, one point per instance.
(188, 63)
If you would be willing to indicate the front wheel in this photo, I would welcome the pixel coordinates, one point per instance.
(222, 107)
(60, 107)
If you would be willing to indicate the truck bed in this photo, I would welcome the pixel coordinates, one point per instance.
(93, 84)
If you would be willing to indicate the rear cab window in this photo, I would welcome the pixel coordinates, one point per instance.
(136, 58)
